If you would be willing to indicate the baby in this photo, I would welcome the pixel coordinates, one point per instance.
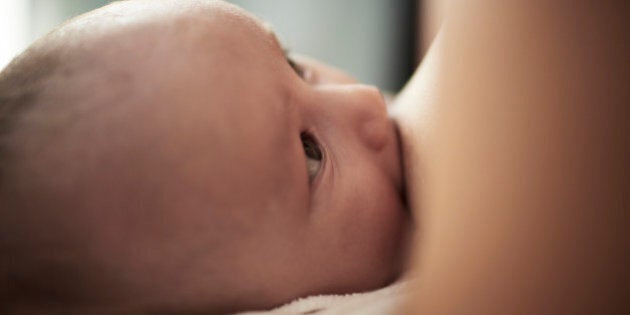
(168, 157)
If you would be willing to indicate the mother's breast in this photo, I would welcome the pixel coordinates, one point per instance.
(515, 138)
(415, 109)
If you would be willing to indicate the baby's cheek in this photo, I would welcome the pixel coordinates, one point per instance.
(384, 221)
(370, 231)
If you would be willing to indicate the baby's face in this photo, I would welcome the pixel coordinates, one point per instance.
(229, 168)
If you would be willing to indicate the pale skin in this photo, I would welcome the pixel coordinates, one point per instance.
(489, 218)
(180, 181)
(515, 141)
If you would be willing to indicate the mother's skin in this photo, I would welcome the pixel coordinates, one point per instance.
(516, 154)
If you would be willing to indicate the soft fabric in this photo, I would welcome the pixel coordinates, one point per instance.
(379, 302)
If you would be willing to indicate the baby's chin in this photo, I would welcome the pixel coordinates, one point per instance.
(407, 234)
(395, 251)
(403, 231)
(405, 238)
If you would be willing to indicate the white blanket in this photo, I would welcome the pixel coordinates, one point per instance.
(379, 302)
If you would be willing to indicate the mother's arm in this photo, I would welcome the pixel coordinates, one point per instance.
(515, 137)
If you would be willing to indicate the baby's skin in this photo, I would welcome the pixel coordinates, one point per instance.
(170, 158)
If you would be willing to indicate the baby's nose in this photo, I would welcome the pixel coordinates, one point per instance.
(364, 110)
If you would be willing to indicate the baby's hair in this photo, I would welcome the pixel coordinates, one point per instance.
(30, 111)
(21, 85)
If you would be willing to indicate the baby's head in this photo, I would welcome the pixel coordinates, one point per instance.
(166, 155)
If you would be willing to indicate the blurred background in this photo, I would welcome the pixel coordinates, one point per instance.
(379, 42)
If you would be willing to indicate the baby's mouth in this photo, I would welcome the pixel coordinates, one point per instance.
(398, 169)
(401, 180)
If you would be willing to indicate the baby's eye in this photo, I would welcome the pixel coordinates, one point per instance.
(313, 155)
(299, 70)
(303, 72)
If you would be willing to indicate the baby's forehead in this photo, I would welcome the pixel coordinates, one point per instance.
(218, 27)
(208, 54)
(168, 18)
(133, 34)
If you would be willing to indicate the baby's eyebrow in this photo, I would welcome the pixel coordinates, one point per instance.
(285, 51)
(269, 30)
